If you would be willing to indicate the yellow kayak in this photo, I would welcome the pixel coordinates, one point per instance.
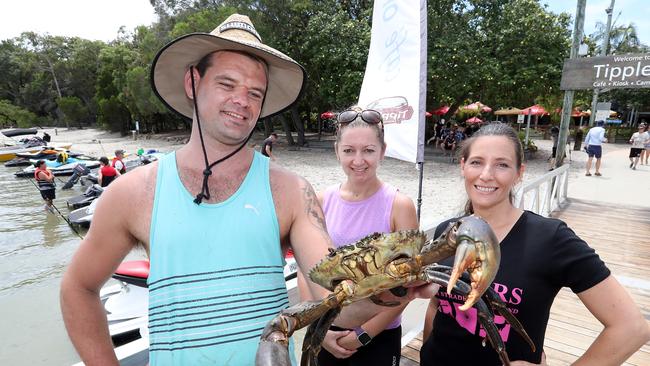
(9, 152)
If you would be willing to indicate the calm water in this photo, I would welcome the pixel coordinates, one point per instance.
(35, 248)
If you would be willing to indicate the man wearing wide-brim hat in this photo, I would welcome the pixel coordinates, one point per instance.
(214, 216)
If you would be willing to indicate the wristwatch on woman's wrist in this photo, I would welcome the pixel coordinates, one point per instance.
(362, 336)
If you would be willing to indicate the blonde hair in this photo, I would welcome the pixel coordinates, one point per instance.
(358, 122)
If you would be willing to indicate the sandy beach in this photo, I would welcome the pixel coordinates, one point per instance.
(442, 193)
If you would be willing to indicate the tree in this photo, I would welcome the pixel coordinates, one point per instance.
(115, 62)
(622, 39)
(112, 114)
(72, 109)
(503, 52)
(81, 79)
(14, 116)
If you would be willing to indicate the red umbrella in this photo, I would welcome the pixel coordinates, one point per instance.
(535, 110)
(474, 120)
(441, 111)
(578, 113)
(327, 115)
(428, 114)
(477, 106)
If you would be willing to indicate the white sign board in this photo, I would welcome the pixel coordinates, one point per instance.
(520, 118)
(611, 72)
(602, 115)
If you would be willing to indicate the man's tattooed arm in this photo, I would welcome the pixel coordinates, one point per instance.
(313, 209)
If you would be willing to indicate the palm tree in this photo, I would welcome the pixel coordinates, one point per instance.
(622, 39)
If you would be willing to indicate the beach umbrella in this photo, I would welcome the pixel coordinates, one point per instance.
(327, 115)
(534, 110)
(477, 106)
(512, 111)
(578, 113)
(611, 113)
(474, 120)
(428, 114)
(441, 111)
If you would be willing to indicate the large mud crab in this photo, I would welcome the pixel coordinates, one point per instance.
(381, 262)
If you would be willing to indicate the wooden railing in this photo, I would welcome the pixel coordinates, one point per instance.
(544, 194)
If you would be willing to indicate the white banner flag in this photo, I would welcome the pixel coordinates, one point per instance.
(395, 78)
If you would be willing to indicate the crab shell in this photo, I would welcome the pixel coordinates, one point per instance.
(370, 262)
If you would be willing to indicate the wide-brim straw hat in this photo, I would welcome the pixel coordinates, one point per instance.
(286, 78)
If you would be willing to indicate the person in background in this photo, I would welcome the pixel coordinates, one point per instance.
(449, 141)
(214, 217)
(106, 173)
(45, 181)
(118, 163)
(647, 145)
(555, 134)
(46, 137)
(437, 133)
(460, 135)
(638, 140)
(360, 206)
(593, 145)
(539, 256)
(267, 145)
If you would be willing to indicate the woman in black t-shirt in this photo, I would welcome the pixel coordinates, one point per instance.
(539, 256)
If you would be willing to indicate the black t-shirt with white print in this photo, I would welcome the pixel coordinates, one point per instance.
(539, 256)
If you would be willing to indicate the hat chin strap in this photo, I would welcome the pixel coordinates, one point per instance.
(205, 191)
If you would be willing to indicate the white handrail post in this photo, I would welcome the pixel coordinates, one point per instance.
(556, 187)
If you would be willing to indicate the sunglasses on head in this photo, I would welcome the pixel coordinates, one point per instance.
(369, 116)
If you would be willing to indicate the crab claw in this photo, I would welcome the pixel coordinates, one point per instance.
(477, 253)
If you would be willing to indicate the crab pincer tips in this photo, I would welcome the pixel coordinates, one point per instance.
(464, 260)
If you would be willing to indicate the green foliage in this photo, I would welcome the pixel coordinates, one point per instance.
(463, 114)
(336, 69)
(113, 115)
(552, 103)
(73, 109)
(501, 52)
(14, 116)
(625, 133)
(203, 20)
(527, 147)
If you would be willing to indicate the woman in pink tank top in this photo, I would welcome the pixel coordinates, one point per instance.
(359, 206)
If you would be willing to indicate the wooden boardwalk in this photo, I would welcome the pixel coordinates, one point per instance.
(620, 235)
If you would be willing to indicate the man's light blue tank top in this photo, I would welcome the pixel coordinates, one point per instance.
(216, 273)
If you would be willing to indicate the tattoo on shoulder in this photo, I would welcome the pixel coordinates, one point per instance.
(312, 208)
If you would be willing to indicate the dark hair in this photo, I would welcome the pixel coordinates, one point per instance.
(273, 134)
(358, 122)
(206, 61)
(103, 160)
(38, 163)
(492, 129)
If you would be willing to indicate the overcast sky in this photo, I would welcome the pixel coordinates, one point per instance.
(631, 11)
(90, 19)
(101, 19)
